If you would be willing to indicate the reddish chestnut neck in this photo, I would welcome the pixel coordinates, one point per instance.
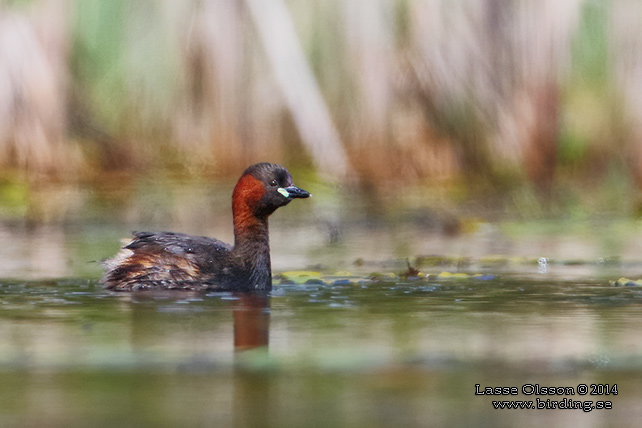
(250, 228)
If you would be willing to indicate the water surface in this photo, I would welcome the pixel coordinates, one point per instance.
(344, 351)
(353, 337)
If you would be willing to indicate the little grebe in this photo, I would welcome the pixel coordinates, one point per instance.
(169, 260)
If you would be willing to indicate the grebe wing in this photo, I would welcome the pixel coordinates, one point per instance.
(177, 243)
(164, 260)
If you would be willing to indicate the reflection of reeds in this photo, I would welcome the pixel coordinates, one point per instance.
(393, 88)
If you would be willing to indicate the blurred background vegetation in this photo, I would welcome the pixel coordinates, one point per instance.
(497, 91)
(474, 96)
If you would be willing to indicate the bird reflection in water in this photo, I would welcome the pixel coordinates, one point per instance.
(253, 386)
(251, 321)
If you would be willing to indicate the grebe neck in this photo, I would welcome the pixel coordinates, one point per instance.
(252, 250)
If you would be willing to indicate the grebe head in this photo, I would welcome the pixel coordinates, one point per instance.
(263, 188)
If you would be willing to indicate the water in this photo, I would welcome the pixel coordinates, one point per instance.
(361, 353)
(353, 338)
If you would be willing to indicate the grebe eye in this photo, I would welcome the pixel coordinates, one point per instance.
(274, 183)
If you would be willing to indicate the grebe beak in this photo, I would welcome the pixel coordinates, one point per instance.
(292, 192)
